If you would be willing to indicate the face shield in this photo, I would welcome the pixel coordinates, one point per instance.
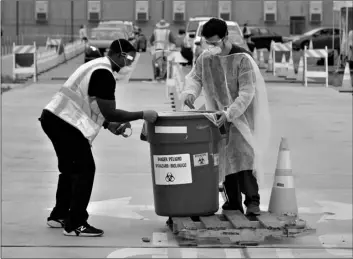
(125, 72)
(130, 63)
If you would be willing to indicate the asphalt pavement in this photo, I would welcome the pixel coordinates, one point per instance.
(317, 122)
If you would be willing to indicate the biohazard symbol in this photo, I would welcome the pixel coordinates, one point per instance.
(201, 160)
(169, 178)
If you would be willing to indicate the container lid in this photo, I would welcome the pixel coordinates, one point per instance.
(194, 114)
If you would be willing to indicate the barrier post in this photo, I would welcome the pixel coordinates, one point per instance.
(273, 59)
(35, 62)
(14, 77)
(326, 66)
(305, 68)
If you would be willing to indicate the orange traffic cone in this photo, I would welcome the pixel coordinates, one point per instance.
(255, 56)
(291, 73)
(262, 59)
(311, 45)
(283, 67)
(347, 80)
(270, 62)
(300, 74)
(283, 200)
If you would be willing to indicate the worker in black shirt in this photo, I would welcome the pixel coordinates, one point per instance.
(72, 120)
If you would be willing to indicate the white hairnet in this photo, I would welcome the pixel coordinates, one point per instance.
(235, 82)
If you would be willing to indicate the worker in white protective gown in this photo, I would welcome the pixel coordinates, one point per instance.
(234, 87)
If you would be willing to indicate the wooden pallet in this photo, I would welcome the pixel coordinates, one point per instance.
(233, 229)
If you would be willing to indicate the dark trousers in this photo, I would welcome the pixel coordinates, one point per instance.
(238, 183)
(77, 169)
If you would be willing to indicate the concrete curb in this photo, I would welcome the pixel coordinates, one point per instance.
(132, 79)
(141, 79)
(59, 78)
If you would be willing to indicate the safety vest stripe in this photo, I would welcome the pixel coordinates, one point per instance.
(79, 79)
(75, 98)
(161, 41)
(83, 123)
(70, 90)
(57, 109)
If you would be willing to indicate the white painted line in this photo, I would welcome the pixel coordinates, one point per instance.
(258, 252)
(162, 253)
(160, 239)
(170, 130)
(141, 252)
(189, 253)
(284, 253)
(233, 253)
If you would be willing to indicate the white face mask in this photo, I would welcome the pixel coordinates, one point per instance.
(214, 50)
(124, 72)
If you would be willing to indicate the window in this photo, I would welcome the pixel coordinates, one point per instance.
(192, 26)
(41, 11)
(254, 31)
(297, 25)
(107, 34)
(264, 31)
(323, 32)
(94, 10)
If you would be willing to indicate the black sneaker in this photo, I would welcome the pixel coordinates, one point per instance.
(253, 210)
(55, 223)
(85, 231)
(227, 206)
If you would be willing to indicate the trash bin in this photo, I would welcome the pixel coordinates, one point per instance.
(184, 162)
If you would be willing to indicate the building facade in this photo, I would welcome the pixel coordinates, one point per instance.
(65, 16)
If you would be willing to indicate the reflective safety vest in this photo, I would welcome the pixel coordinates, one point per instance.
(73, 104)
(161, 39)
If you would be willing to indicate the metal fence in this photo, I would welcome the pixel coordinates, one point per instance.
(25, 32)
(23, 39)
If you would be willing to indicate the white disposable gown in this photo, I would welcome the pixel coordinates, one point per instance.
(234, 82)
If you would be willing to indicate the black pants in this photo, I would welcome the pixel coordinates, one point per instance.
(238, 183)
(77, 169)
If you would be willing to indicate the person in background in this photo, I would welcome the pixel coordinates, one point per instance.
(161, 40)
(73, 119)
(234, 87)
(83, 33)
(246, 32)
(179, 42)
(350, 49)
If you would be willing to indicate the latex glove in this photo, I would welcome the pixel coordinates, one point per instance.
(122, 130)
(222, 118)
(118, 128)
(189, 101)
(150, 116)
(113, 127)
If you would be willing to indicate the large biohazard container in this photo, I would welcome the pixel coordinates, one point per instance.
(184, 161)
